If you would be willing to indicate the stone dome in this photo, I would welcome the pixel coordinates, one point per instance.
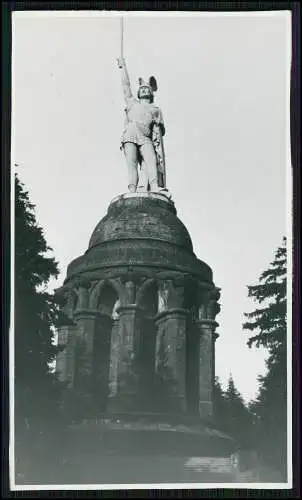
(142, 217)
(142, 231)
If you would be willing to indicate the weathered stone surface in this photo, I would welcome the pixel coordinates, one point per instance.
(171, 346)
(206, 330)
(65, 364)
(140, 231)
(126, 379)
(144, 308)
(141, 217)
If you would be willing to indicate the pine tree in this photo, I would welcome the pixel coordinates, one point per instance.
(269, 325)
(37, 313)
(231, 414)
(219, 405)
(238, 417)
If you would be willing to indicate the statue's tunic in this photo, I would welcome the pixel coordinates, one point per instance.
(140, 116)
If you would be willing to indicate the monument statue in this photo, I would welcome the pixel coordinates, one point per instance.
(137, 354)
(141, 140)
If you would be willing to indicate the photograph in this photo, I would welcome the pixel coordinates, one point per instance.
(151, 246)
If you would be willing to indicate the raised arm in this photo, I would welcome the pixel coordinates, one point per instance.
(125, 78)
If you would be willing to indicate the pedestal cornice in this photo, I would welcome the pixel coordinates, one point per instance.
(165, 196)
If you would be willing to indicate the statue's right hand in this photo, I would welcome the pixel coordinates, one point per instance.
(121, 62)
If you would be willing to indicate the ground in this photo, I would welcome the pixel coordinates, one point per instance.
(85, 458)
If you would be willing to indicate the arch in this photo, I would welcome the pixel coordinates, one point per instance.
(118, 288)
(143, 288)
(100, 286)
(208, 306)
(147, 296)
(107, 298)
(72, 301)
(115, 314)
(83, 297)
(163, 295)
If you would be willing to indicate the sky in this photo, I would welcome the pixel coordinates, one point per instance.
(223, 87)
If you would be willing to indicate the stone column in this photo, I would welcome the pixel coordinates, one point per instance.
(101, 360)
(171, 358)
(214, 338)
(192, 368)
(146, 362)
(114, 352)
(125, 385)
(92, 360)
(86, 324)
(65, 358)
(206, 329)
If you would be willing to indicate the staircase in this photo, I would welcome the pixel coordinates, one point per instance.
(210, 464)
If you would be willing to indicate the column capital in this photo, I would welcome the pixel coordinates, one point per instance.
(67, 322)
(129, 309)
(175, 313)
(205, 324)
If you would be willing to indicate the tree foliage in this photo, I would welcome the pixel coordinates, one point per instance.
(231, 413)
(218, 403)
(268, 324)
(238, 416)
(37, 313)
(269, 321)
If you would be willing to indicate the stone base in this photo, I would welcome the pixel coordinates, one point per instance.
(158, 434)
(125, 402)
(137, 448)
(163, 194)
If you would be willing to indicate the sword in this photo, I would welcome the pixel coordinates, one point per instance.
(122, 36)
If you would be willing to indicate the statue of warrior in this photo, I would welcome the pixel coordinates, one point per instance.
(142, 136)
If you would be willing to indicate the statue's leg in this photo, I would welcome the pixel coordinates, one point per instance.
(142, 179)
(149, 156)
(130, 150)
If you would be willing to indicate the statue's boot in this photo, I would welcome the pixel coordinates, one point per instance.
(142, 188)
(154, 187)
(132, 188)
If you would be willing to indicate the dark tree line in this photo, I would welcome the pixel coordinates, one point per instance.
(268, 325)
(37, 392)
(262, 424)
(231, 413)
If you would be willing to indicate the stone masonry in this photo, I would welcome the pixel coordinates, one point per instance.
(142, 308)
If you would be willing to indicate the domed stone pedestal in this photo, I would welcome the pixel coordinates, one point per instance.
(141, 346)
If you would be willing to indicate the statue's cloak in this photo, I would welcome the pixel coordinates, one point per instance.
(158, 143)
